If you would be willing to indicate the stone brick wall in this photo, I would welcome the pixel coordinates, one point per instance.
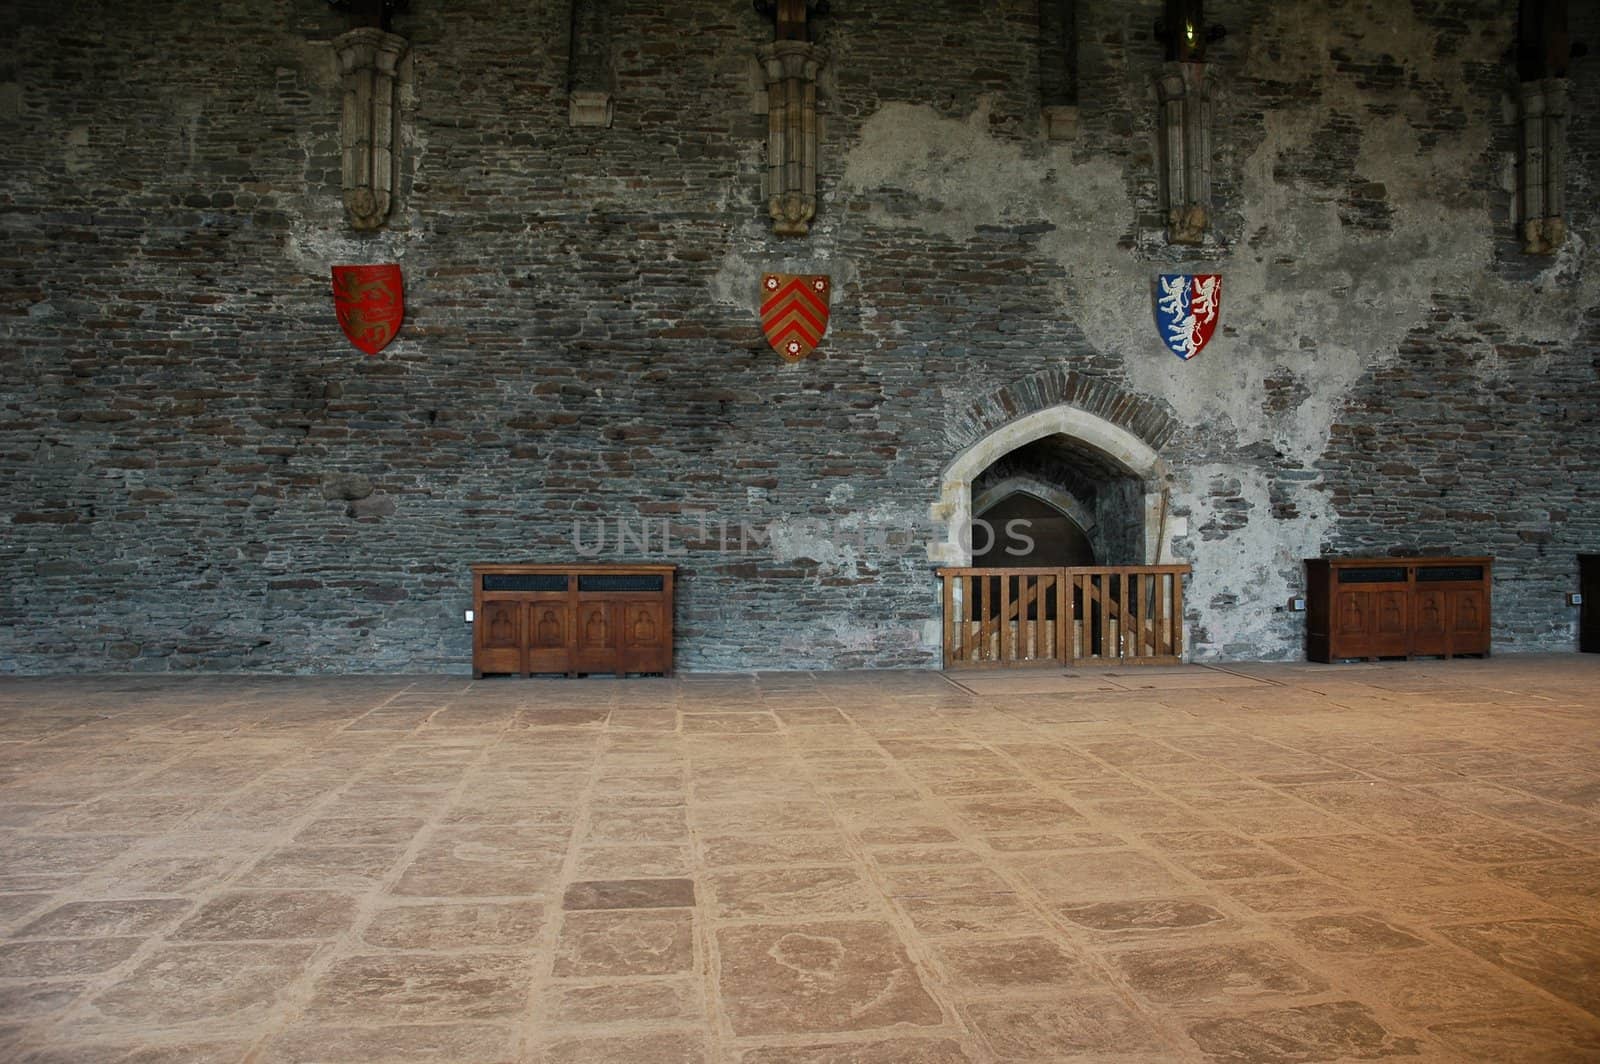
(201, 473)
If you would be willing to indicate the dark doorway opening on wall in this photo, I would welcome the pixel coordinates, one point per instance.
(1057, 502)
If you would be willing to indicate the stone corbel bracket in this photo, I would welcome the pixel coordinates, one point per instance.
(589, 77)
(1541, 179)
(1058, 68)
(791, 69)
(1185, 150)
(369, 65)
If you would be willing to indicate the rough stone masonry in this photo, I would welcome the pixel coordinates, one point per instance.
(201, 473)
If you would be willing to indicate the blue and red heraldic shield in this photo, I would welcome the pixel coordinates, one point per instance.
(794, 312)
(370, 302)
(1186, 310)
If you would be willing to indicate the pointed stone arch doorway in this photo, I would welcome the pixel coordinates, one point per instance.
(1085, 448)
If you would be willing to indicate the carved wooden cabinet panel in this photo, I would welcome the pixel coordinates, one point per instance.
(1396, 607)
(498, 635)
(572, 619)
(1371, 623)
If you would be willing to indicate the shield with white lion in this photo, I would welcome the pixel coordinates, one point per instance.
(1187, 306)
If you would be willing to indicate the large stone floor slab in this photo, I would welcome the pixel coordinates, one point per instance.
(1258, 863)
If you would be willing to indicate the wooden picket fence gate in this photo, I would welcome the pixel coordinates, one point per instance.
(1113, 615)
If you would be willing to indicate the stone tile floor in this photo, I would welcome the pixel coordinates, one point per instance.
(1256, 863)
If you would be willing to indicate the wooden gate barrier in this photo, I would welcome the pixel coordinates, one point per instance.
(1113, 615)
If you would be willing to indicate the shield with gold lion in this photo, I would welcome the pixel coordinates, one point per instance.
(370, 303)
(794, 312)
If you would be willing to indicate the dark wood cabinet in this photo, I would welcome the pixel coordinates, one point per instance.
(1396, 607)
(572, 619)
(1589, 612)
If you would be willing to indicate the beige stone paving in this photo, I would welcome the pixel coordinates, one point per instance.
(1252, 863)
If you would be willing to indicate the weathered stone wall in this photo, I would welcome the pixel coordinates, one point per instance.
(201, 473)
(1119, 515)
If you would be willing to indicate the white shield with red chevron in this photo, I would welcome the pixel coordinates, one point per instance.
(794, 312)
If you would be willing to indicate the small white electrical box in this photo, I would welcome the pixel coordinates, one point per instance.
(1575, 599)
(1297, 604)
(468, 617)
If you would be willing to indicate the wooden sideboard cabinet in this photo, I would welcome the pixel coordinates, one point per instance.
(1396, 607)
(572, 619)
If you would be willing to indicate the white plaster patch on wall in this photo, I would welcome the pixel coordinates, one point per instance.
(737, 281)
(1345, 300)
(797, 538)
(839, 544)
(1568, 265)
(963, 178)
(315, 245)
(1325, 302)
(76, 154)
(1260, 562)
(1303, 293)
(1551, 309)
(1381, 284)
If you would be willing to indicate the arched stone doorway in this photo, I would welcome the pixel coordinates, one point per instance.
(1081, 453)
(1023, 521)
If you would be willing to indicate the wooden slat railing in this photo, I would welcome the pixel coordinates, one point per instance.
(1121, 614)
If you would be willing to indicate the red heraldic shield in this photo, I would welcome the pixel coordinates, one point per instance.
(371, 304)
(794, 312)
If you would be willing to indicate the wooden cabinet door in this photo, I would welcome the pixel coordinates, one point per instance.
(1392, 636)
(1433, 624)
(547, 635)
(1353, 624)
(499, 633)
(1468, 621)
(646, 645)
(596, 636)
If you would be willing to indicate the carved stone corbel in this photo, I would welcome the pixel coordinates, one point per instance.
(589, 74)
(1544, 50)
(1541, 179)
(790, 65)
(1058, 68)
(791, 68)
(1185, 150)
(1185, 110)
(369, 63)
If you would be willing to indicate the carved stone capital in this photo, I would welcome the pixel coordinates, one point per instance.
(370, 48)
(589, 108)
(791, 59)
(1060, 121)
(369, 66)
